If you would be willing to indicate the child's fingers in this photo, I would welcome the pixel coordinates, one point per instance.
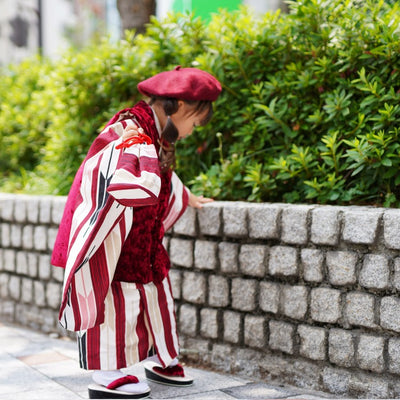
(198, 201)
(131, 131)
(204, 200)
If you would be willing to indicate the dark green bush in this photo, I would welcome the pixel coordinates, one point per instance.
(309, 111)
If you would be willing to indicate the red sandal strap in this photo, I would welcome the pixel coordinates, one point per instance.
(122, 381)
(176, 370)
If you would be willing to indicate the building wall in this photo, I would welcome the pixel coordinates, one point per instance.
(19, 37)
(303, 294)
(66, 22)
(57, 18)
(62, 22)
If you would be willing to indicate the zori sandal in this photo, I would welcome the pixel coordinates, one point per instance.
(97, 391)
(173, 376)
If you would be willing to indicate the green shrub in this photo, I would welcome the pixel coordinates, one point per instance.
(312, 109)
(309, 111)
(77, 95)
(22, 116)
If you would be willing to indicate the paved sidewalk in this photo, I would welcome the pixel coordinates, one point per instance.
(35, 366)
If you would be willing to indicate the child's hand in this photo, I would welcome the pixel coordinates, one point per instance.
(198, 201)
(131, 131)
(133, 135)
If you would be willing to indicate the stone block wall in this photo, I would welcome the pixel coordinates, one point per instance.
(301, 294)
(30, 289)
(304, 294)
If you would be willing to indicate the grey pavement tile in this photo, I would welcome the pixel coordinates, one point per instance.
(308, 397)
(214, 395)
(258, 391)
(70, 350)
(309, 394)
(13, 343)
(46, 393)
(21, 381)
(67, 374)
(19, 345)
(21, 342)
(17, 376)
(7, 359)
(204, 382)
(63, 368)
(38, 366)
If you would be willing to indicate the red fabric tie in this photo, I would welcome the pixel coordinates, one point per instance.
(122, 381)
(140, 138)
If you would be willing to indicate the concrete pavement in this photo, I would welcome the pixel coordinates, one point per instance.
(36, 366)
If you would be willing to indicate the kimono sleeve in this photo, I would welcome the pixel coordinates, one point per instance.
(136, 180)
(178, 202)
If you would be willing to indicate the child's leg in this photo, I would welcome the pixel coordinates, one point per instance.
(123, 339)
(163, 367)
(116, 344)
(159, 310)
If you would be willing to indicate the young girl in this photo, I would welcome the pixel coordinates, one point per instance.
(117, 292)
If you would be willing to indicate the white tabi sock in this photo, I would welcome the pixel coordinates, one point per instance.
(155, 358)
(104, 378)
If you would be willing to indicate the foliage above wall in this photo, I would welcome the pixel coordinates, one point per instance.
(309, 110)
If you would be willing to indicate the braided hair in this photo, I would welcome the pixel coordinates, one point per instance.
(170, 133)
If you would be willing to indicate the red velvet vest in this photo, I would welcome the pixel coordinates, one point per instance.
(143, 257)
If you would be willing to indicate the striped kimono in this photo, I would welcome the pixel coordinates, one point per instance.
(119, 323)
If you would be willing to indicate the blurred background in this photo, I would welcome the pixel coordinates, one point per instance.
(47, 27)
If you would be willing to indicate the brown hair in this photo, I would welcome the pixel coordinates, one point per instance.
(169, 134)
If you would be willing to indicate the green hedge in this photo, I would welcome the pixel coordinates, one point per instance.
(309, 111)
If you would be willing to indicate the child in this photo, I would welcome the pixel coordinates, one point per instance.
(125, 195)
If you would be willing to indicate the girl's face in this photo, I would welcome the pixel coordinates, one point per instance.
(185, 119)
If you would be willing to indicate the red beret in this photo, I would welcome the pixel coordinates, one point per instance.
(182, 84)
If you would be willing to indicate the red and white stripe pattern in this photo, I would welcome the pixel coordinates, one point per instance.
(136, 180)
(139, 320)
(102, 221)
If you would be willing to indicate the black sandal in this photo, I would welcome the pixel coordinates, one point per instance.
(108, 392)
(173, 376)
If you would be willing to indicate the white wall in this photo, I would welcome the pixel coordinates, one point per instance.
(57, 16)
(163, 7)
(112, 19)
(262, 6)
(26, 10)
